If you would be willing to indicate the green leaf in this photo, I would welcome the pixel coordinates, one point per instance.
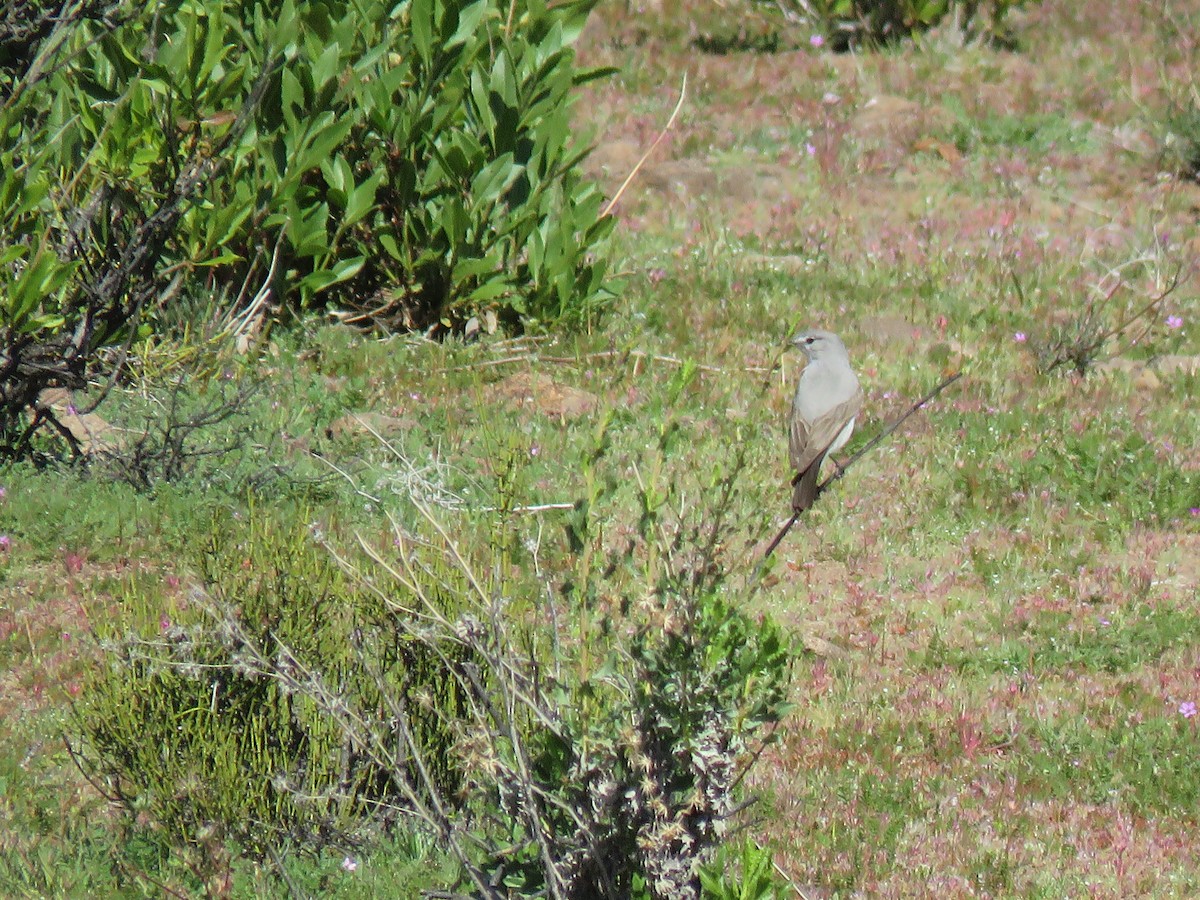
(325, 69)
(388, 242)
(43, 322)
(469, 18)
(307, 230)
(322, 141)
(503, 83)
(362, 199)
(455, 222)
(474, 267)
(495, 179)
(40, 280)
(348, 268)
(292, 94)
(490, 290)
(421, 19)
(337, 174)
(221, 260)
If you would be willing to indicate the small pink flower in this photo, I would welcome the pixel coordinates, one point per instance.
(1020, 337)
(350, 864)
(5, 543)
(817, 40)
(1174, 322)
(164, 622)
(1187, 709)
(810, 149)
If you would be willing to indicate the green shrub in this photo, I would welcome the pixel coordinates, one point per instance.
(189, 737)
(850, 23)
(411, 161)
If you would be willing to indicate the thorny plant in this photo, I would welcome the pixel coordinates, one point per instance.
(174, 438)
(600, 760)
(1079, 341)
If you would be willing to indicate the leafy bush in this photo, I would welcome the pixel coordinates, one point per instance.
(849, 23)
(416, 156)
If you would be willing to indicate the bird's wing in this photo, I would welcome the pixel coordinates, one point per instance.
(808, 441)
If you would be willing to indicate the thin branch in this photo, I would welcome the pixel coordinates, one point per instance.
(866, 448)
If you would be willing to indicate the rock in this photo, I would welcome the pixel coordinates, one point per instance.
(543, 393)
(91, 433)
(818, 646)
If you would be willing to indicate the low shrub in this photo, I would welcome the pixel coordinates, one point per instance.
(190, 738)
(850, 23)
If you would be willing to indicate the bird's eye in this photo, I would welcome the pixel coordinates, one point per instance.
(810, 341)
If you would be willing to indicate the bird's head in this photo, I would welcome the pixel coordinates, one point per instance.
(816, 343)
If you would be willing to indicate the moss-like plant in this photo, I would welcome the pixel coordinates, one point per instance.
(190, 736)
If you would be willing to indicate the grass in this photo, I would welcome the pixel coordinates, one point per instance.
(1001, 603)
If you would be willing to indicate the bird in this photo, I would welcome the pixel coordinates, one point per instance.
(827, 402)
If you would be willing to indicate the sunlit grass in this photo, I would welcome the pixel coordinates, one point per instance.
(1000, 602)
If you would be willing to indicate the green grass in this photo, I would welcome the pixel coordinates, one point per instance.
(1057, 642)
(1000, 601)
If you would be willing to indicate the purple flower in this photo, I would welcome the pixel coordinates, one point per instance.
(1020, 337)
(1174, 322)
(817, 40)
(350, 864)
(1187, 709)
(810, 149)
(5, 543)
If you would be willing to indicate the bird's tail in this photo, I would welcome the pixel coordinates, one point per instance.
(804, 486)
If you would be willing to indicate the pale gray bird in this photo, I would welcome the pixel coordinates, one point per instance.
(826, 404)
